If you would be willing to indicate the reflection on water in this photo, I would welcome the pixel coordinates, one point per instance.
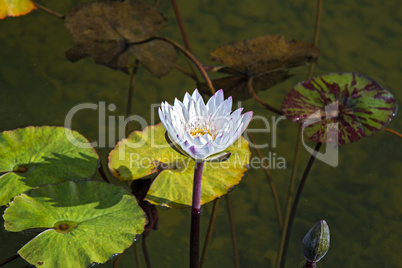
(360, 199)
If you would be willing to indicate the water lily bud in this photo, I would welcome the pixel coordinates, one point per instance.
(316, 242)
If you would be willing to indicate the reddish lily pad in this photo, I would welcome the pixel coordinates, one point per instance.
(339, 108)
(147, 152)
(15, 8)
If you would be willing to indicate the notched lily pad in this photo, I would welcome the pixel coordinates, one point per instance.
(15, 8)
(107, 30)
(339, 108)
(85, 222)
(264, 53)
(34, 156)
(146, 152)
(265, 58)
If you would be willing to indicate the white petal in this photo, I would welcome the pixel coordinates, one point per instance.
(224, 108)
(215, 101)
(196, 96)
(187, 99)
(202, 108)
(236, 113)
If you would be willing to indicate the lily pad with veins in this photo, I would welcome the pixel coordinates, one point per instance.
(264, 53)
(34, 156)
(147, 152)
(83, 223)
(265, 58)
(339, 108)
(108, 30)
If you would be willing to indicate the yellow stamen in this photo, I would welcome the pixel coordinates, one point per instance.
(200, 129)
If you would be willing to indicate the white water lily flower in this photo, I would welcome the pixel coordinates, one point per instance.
(202, 130)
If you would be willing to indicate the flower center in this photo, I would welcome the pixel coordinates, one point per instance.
(200, 129)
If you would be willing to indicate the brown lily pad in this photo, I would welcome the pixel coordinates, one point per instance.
(108, 31)
(265, 58)
(263, 54)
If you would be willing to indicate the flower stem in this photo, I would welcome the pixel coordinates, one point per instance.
(209, 233)
(287, 229)
(393, 132)
(195, 216)
(16, 256)
(260, 101)
(187, 54)
(51, 12)
(270, 181)
(180, 22)
(233, 232)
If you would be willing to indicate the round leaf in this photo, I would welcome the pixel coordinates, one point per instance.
(85, 222)
(264, 53)
(147, 152)
(34, 156)
(106, 30)
(339, 108)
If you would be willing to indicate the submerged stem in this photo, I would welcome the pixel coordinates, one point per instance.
(131, 88)
(260, 101)
(181, 26)
(270, 181)
(47, 10)
(316, 33)
(209, 233)
(296, 202)
(187, 54)
(16, 256)
(290, 195)
(233, 232)
(195, 216)
(145, 251)
(393, 132)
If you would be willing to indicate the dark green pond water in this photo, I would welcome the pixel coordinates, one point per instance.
(361, 198)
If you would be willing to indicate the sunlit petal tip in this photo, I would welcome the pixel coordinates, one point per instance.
(196, 95)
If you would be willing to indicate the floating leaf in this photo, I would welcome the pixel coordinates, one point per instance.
(34, 156)
(85, 222)
(264, 53)
(339, 108)
(265, 58)
(15, 7)
(316, 242)
(147, 152)
(236, 85)
(106, 31)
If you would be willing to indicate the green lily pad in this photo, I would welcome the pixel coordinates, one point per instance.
(34, 156)
(86, 222)
(146, 152)
(339, 108)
